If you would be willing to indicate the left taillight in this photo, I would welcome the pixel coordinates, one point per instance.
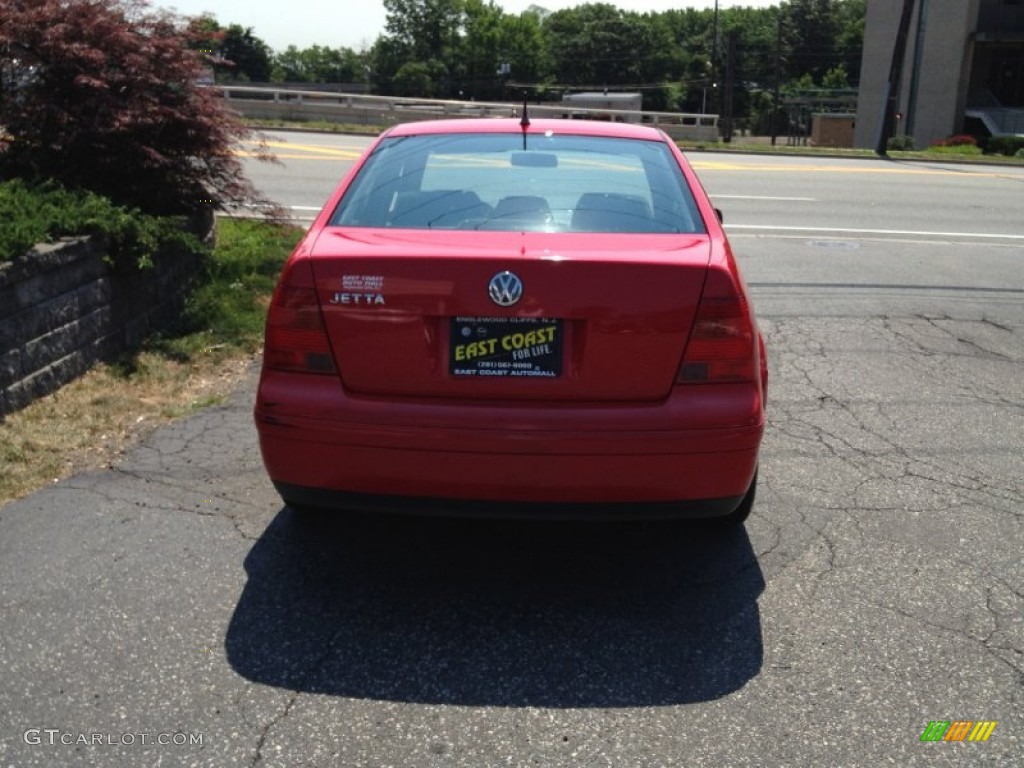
(296, 339)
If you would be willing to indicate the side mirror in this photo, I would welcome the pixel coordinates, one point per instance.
(720, 215)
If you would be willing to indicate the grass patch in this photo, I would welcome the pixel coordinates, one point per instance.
(953, 157)
(958, 150)
(224, 314)
(321, 126)
(741, 146)
(89, 422)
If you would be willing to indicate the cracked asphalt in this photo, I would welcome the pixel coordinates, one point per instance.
(878, 585)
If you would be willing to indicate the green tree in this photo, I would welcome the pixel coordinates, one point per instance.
(597, 44)
(479, 49)
(420, 78)
(523, 48)
(850, 15)
(425, 29)
(248, 56)
(319, 64)
(689, 35)
(836, 78)
(812, 31)
(419, 54)
(450, 47)
(384, 59)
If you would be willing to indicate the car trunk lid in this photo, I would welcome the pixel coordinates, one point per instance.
(601, 316)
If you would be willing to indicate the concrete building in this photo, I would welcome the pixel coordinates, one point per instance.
(963, 71)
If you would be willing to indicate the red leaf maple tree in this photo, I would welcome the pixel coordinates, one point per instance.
(105, 95)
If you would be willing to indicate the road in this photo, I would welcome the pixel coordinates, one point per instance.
(877, 587)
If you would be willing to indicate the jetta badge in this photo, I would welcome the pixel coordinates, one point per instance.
(505, 289)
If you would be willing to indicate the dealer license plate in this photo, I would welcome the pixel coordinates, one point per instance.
(506, 346)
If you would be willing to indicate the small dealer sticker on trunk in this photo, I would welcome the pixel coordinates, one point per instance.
(505, 346)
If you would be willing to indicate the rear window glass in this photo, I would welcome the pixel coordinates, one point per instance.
(491, 182)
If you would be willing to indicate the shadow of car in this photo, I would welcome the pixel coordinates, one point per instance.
(498, 613)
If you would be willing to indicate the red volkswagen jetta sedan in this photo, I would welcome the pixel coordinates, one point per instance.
(509, 318)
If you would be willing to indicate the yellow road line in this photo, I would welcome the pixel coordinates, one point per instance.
(344, 154)
(346, 151)
(279, 156)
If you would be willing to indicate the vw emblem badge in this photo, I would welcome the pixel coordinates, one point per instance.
(505, 289)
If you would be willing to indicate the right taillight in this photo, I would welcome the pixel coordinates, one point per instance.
(722, 342)
(296, 339)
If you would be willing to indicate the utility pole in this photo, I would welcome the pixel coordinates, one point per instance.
(730, 81)
(714, 41)
(778, 78)
(899, 52)
(714, 61)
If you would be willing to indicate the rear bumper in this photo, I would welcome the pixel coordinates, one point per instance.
(508, 459)
(321, 498)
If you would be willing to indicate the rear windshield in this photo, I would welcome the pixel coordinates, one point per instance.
(491, 182)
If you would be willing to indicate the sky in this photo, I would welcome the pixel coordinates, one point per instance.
(357, 23)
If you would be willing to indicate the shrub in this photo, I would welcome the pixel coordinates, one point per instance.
(961, 144)
(1005, 145)
(901, 143)
(105, 95)
(39, 214)
(961, 140)
(1020, 153)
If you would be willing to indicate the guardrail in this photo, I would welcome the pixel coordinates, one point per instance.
(362, 109)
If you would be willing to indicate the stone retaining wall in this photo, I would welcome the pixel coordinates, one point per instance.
(65, 307)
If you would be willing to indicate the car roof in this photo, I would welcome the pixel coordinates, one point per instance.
(513, 125)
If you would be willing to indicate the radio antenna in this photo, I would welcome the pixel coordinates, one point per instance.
(524, 122)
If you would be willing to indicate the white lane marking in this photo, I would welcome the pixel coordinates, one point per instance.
(905, 232)
(305, 207)
(764, 197)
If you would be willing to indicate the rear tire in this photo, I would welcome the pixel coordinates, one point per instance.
(739, 515)
(303, 511)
